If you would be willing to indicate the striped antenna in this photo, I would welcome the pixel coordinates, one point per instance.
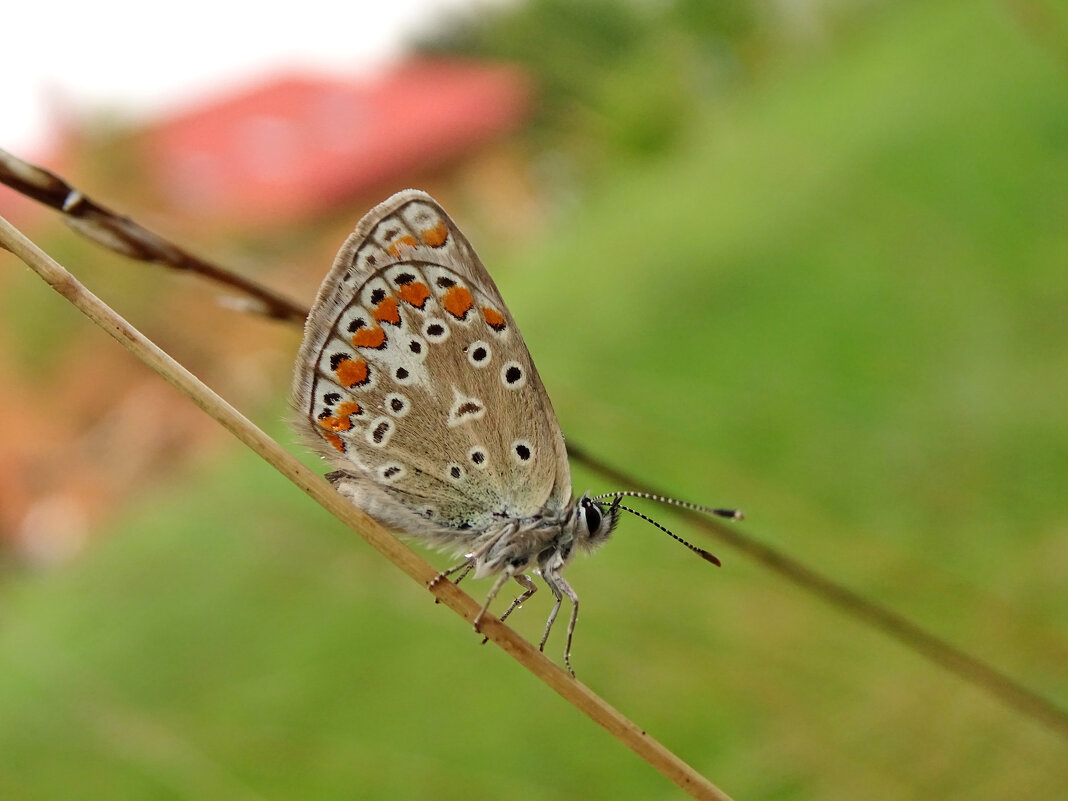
(708, 557)
(730, 514)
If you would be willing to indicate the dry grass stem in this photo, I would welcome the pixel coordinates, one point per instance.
(624, 730)
(964, 666)
(123, 235)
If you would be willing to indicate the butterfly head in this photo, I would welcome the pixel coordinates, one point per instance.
(594, 521)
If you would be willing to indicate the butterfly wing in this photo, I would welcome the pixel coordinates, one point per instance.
(414, 380)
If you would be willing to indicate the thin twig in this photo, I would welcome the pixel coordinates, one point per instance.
(928, 645)
(123, 235)
(623, 729)
(964, 666)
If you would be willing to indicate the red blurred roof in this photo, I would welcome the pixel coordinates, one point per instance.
(298, 145)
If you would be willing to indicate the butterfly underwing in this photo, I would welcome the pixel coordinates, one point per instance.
(414, 382)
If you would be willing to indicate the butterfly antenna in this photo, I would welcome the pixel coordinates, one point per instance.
(730, 514)
(699, 551)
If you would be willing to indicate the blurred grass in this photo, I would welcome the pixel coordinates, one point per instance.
(840, 306)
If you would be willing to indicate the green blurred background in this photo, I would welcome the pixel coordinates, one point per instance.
(822, 277)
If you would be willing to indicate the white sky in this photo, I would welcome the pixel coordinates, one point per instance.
(139, 58)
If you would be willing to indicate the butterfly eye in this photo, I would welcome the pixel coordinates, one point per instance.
(593, 516)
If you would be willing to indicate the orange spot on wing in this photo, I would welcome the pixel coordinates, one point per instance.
(336, 441)
(369, 337)
(436, 236)
(493, 317)
(414, 294)
(457, 301)
(386, 311)
(347, 408)
(351, 372)
(340, 421)
(406, 241)
(336, 423)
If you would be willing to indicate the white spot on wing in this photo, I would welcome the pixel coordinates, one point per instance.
(522, 452)
(368, 257)
(404, 375)
(380, 431)
(434, 324)
(478, 456)
(351, 314)
(398, 405)
(513, 375)
(414, 347)
(420, 216)
(465, 409)
(371, 290)
(479, 354)
(391, 472)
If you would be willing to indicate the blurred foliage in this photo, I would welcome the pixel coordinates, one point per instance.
(614, 78)
(838, 302)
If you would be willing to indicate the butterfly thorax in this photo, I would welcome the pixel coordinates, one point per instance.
(545, 542)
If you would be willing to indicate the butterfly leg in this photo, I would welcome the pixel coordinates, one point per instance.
(529, 588)
(469, 563)
(560, 588)
(463, 568)
(496, 588)
(552, 615)
(573, 597)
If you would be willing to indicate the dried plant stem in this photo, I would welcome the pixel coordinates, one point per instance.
(624, 730)
(964, 666)
(123, 235)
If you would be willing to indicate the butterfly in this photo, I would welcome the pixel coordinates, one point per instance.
(414, 381)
